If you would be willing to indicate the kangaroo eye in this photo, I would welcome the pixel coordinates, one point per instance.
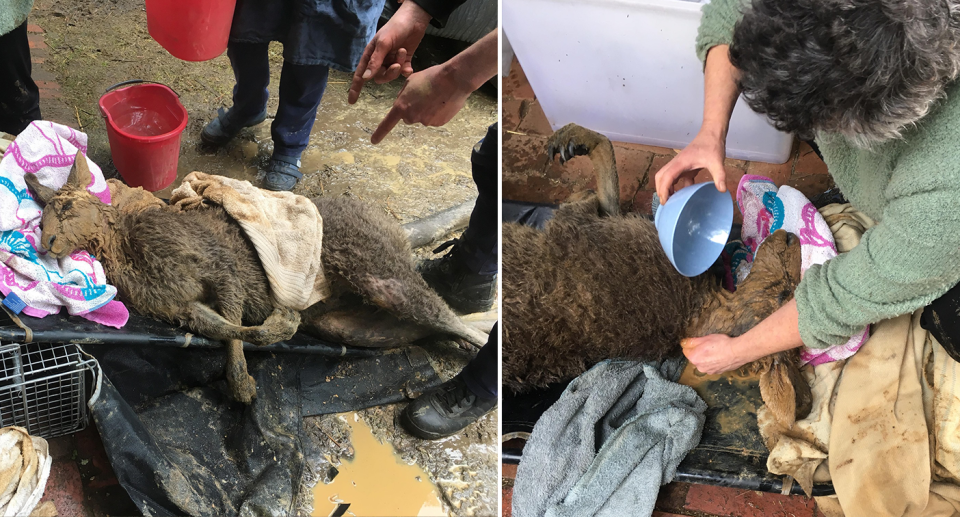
(785, 295)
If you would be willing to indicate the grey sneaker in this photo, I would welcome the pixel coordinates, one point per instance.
(283, 173)
(222, 129)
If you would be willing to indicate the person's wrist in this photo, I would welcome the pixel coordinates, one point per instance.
(745, 348)
(714, 131)
(456, 78)
(416, 14)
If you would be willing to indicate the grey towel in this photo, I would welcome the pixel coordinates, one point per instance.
(643, 426)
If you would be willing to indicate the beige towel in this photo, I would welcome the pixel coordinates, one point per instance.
(889, 422)
(24, 467)
(286, 230)
(801, 451)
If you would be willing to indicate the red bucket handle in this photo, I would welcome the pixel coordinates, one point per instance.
(131, 81)
(135, 81)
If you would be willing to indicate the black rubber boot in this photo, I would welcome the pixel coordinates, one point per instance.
(465, 291)
(444, 410)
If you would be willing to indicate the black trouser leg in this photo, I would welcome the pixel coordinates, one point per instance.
(480, 239)
(19, 95)
(480, 374)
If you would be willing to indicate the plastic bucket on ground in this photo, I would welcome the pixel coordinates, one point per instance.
(192, 30)
(144, 124)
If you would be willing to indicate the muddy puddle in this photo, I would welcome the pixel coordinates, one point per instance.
(376, 482)
(732, 399)
(462, 470)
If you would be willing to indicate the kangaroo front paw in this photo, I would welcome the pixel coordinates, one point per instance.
(572, 140)
(281, 325)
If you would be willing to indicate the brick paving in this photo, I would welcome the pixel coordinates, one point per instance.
(529, 176)
(52, 106)
(82, 482)
(686, 500)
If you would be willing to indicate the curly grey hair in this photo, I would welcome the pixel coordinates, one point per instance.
(867, 69)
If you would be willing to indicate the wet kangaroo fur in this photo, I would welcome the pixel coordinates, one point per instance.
(198, 270)
(596, 284)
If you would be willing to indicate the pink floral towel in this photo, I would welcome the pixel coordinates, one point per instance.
(766, 209)
(43, 283)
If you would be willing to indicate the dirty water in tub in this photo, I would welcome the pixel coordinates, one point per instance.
(376, 482)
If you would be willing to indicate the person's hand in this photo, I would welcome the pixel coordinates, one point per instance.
(390, 52)
(714, 354)
(706, 151)
(431, 97)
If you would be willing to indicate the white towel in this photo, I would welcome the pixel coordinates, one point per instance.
(766, 209)
(44, 283)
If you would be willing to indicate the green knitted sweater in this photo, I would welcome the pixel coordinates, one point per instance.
(13, 13)
(910, 186)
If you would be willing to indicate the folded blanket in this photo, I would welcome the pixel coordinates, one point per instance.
(286, 230)
(24, 468)
(43, 283)
(766, 209)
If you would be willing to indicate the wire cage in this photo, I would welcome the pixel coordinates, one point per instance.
(43, 387)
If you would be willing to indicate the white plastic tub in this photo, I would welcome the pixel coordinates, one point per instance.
(627, 69)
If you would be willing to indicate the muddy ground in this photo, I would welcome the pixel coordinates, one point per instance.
(414, 172)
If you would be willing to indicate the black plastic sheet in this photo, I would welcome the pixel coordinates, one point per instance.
(177, 442)
(180, 446)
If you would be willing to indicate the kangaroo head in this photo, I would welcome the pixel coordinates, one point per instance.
(73, 219)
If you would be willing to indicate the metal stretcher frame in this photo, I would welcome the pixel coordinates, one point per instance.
(144, 331)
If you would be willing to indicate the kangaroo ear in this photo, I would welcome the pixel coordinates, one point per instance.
(80, 176)
(778, 394)
(40, 193)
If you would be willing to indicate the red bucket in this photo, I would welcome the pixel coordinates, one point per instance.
(144, 123)
(192, 30)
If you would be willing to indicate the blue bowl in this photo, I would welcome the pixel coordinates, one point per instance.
(694, 225)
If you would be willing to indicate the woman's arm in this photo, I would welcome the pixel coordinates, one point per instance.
(708, 149)
(718, 353)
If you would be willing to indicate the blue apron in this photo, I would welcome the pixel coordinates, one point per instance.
(313, 32)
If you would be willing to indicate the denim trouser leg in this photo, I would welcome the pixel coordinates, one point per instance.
(301, 89)
(251, 69)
